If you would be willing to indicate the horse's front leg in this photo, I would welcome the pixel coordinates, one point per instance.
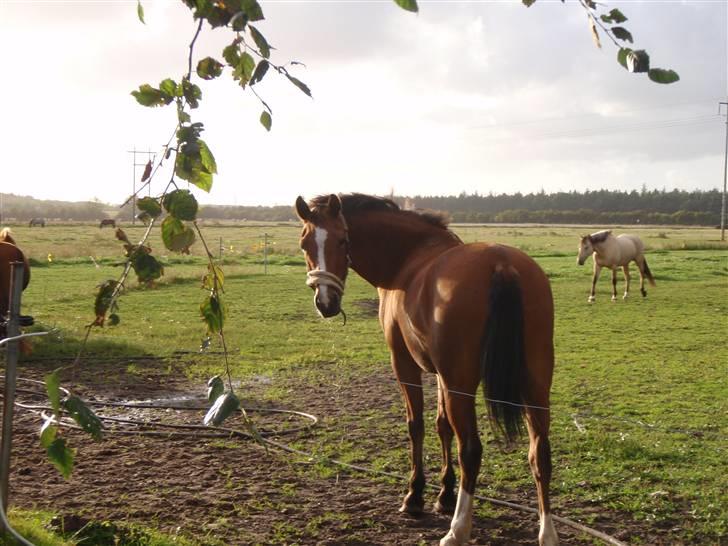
(409, 376)
(625, 270)
(595, 278)
(446, 498)
(614, 284)
(461, 413)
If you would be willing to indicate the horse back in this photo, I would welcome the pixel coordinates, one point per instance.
(630, 247)
(447, 304)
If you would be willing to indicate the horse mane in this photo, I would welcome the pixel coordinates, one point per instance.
(5, 236)
(353, 203)
(600, 236)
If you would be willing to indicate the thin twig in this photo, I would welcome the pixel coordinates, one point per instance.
(192, 47)
(598, 22)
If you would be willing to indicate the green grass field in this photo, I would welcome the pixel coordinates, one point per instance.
(640, 415)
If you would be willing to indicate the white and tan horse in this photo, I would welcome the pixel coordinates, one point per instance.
(613, 252)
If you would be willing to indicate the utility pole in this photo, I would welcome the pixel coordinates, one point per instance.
(725, 173)
(150, 157)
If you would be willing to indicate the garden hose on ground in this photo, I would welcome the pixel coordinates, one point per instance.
(175, 430)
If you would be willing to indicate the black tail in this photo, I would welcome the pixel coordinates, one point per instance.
(647, 273)
(504, 360)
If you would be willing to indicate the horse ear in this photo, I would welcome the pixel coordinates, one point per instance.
(302, 210)
(334, 204)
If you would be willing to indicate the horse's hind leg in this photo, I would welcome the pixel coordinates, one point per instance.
(410, 377)
(539, 458)
(625, 270)
(446, 498)
(614, 284)
(641, 266)
(461, 413)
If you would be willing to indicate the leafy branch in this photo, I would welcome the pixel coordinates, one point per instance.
(610, 23)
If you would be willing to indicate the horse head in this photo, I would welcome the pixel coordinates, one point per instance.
(325, 244)
(586, 248)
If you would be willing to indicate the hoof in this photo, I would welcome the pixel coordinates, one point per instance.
(614, 298)
(625, 296)
(451, 540)
(412, 506)
(591, 299)
(644, 292)
(445, 506)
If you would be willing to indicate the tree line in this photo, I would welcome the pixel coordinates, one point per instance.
(675, 207)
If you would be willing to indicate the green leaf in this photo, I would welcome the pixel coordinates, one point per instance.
(253, 10)
(48, 433)
(150, 206)
(260, 41)
(168, 87)
(53, 388)
(213, 313)
(266, 120)
(660, 75)
(191, 92)
(146, 266)
(150, 96)
(615, 16)
(181, 204)
(638, 61)
(260, 71)
(84, 417)
(206, 157)
(622, 56)
(61, 456)
(622, 33)
(411, 5)
(224, 406)
(215, 387)
(209, 69)
(298, 83)
(176, 236)
(140, 11)
(244, 69)
(231, 54)
(215, 278)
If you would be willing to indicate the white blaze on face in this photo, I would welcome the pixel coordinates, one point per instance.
(321, 235)
(462, 521)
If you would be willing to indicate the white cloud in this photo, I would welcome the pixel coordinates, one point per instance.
(462, 97)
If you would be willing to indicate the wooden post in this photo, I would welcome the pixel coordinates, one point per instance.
(17, 270)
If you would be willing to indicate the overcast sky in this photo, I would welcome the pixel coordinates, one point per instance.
(476, 96)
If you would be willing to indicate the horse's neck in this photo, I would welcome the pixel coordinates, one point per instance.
(386, 249)
(608, 249)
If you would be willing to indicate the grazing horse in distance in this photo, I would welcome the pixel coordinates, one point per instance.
(469, 313)
(9, 252)
(612, 252)
(37, 222)
(107, 222)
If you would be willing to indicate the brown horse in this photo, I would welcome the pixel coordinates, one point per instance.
(9, 252)
(107, 222)
(468, 313)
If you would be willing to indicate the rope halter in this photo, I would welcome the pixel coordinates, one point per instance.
(316, 277)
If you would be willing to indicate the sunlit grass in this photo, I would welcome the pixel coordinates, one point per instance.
(639, 393)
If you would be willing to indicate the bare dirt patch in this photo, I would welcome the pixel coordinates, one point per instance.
(230, 491)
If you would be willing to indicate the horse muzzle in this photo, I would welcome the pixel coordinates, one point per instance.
(329, 292)
(329, 305)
